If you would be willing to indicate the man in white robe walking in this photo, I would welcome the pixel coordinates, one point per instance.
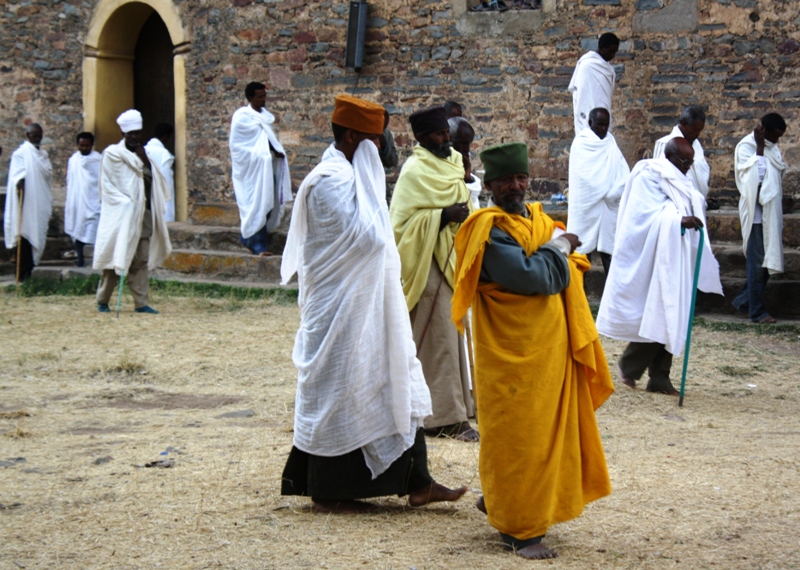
(592, 83)
(157, 150)
(759, 170)
(82, 206)
(25, 225)
(691, 123)
(361, 396)
(597, 176)
(260, 174)
(132, 237)
(648, 293)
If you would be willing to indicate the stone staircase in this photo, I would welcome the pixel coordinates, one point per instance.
(208, 248)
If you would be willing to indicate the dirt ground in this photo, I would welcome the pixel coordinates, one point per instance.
(87, 400)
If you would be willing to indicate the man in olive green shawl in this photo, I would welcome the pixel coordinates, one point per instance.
(429, 203)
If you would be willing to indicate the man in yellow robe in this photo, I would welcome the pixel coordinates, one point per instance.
(429, 203)
(540, 369)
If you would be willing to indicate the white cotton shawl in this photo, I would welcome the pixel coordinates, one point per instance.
(33, 165)
(156, 151)
(359, 382)
(261, 181)
(82, 207)
(648, 292)
(746, 171)
(597, 175)
(122, 209)
(475, 188)
(700, 170)
(592, 86)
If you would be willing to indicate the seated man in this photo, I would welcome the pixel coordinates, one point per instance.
(361, 396)
(540, 368)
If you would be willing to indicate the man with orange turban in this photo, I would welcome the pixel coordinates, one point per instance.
(361, 396)
(540, 369)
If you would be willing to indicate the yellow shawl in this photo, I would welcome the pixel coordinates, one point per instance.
(427, 184)
(540, 374)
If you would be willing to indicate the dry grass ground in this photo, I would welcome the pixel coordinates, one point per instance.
(87, 400)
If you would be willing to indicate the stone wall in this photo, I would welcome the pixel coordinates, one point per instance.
(737, 57)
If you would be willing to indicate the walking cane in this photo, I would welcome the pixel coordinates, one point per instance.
(119, 295)
(20, 195)
(691, 311)
(470, 354)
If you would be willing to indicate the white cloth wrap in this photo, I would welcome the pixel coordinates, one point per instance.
(261, 181)
(156, 151)
(475, 188)
(82, 207)
(648, 292)
(700, 170)
(746, 172)
(592, 86)
(597, 175)
(359, 382)
(33, 165)
(122, 209)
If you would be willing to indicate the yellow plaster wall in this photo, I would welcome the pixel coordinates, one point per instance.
(108, 75)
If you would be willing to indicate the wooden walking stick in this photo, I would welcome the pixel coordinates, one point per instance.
(691, 311)
(20, 195)
(470, 354)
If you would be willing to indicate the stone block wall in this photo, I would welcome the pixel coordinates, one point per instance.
(739, 58)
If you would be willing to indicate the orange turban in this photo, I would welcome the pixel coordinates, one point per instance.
(357, 114)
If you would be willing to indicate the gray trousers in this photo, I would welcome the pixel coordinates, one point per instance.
(137, 276)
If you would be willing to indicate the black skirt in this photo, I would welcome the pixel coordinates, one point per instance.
(347, 477)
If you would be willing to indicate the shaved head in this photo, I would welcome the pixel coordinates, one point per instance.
(680, 153)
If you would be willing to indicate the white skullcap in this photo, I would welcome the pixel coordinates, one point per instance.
(130, 120)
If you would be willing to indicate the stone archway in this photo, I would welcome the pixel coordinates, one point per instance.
(109, 72)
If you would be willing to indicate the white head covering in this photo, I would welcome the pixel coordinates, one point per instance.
(130, 120)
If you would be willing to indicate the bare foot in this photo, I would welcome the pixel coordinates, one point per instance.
(480, 504)
(536, 552)
(343, 507)
(627, 380)
(435, 493)
(265, 254)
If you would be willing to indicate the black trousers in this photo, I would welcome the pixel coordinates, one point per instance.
(347, 477)
(650, 356)
(25, 259)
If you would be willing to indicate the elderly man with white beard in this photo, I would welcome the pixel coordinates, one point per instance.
(260, 170)
(132, 237)
(25, 227)
(597, 175)
(648, 292)
(690, 125)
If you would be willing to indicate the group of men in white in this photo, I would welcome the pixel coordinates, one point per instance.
(118, 202)
(640, 220)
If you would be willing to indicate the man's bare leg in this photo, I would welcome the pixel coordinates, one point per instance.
(480, 504)
(435, 493)
(342, 507)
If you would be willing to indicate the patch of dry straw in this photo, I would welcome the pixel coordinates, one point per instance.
(711, 485)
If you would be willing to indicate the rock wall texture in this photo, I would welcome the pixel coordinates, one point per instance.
(739, 58)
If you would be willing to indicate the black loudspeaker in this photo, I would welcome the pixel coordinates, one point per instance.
(356, 30)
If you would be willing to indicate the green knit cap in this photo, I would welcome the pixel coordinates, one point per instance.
(504, 159)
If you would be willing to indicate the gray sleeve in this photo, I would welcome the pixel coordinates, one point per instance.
(544, 272)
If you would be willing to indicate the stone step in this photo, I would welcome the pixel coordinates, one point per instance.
(215, 214)
(732, 261)
(187, 235)
(223, 265)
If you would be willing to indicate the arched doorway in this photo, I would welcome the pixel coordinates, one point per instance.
(134, 58)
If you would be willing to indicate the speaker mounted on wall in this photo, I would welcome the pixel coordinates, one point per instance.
(356, 32)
